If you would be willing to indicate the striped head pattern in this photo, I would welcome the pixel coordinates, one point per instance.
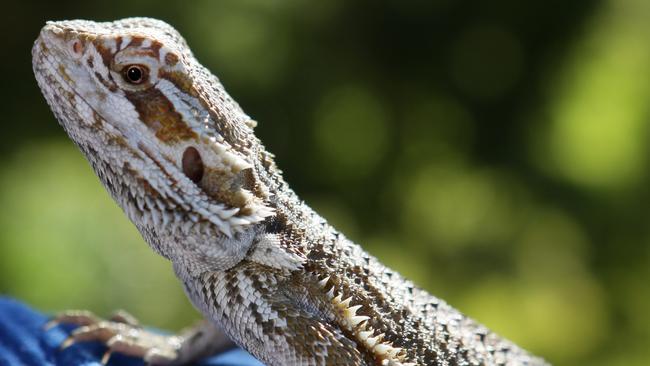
(157, 126)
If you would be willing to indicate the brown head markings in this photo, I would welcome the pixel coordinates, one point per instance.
(158, 113)
(107, 54)
(171, 59)
(155, 110)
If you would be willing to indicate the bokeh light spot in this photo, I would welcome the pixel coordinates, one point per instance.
(599, 122)
(454, 206)
(350, 131)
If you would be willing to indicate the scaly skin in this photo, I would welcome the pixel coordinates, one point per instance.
(181, 159)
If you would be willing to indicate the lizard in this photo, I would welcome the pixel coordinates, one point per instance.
(181, 158)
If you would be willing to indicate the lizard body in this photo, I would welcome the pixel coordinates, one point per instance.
(180, 157)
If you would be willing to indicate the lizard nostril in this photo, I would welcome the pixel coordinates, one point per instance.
(77, 47)
(192, 164)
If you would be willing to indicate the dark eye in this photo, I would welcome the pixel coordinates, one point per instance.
(136, 74)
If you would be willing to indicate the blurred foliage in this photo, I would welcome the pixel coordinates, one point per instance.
(494, 152)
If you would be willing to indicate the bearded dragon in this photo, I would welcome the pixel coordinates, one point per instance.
(181, 159)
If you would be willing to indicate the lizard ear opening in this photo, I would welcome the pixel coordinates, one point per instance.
(192, 164)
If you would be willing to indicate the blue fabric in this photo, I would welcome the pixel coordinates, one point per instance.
(24, 342)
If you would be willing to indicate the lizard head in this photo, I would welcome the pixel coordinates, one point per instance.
(164, 137)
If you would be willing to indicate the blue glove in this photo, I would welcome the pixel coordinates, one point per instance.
(24, 342)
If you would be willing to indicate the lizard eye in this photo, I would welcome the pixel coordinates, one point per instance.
(135, 74)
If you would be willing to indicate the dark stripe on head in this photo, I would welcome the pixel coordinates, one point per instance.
(107, 55)
(135, 41)
(181, 80)
(158, 113)
(155, 48)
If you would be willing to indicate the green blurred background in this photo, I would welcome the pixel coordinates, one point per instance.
(495, 152)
